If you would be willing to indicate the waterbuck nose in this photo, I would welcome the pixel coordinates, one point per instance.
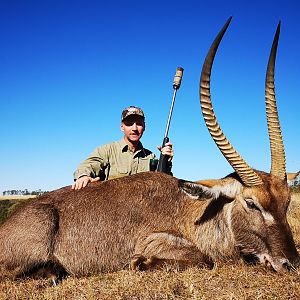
(292, 264)
(296, 262)
(288, 266)
(280, 263)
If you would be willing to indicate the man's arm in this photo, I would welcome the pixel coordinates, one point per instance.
(89, 170)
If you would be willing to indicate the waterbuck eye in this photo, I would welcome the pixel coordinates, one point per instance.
(251, 205)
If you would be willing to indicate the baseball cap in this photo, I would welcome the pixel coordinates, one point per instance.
(132, 110)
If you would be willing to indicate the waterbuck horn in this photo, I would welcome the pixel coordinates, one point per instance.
(276, 142)
(245, 172)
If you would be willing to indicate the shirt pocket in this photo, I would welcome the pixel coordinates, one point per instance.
(144, 164)
(123, 170)
(118, 171)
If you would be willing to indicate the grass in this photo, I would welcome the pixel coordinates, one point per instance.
(9, 203)
(17, 197)
(224, 281)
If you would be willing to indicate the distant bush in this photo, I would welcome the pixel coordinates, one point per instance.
(295, 188)
(7, 207)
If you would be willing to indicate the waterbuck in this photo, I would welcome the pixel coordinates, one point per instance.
(152, 219)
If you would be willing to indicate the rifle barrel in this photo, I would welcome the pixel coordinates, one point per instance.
(170, 113)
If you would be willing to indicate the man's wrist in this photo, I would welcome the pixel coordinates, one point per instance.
(81, 175)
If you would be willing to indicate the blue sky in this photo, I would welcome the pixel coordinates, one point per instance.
(68, 68)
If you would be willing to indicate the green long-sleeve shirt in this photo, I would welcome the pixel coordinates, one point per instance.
(115, 160)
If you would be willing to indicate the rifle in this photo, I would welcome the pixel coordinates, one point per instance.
(163, 165)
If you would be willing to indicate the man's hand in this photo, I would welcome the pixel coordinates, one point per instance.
(167, 150)
(83, 182)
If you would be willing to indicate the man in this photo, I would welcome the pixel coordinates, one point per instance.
(122, 158)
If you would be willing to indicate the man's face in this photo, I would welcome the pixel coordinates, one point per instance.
(133, 127)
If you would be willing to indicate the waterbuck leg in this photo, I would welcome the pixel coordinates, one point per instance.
(26, 239)
(162, 249)
(54, 272)
(142, 263)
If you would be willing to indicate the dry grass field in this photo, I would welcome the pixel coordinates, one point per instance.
(228, 281)
(17, 197)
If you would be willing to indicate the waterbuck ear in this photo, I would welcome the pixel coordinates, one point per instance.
(207, 189)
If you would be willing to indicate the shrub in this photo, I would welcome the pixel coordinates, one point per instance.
(295, 188)
(7, 207)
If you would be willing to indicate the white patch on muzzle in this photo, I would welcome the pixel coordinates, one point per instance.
(277, 264)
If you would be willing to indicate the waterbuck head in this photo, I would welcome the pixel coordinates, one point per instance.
(256, 202)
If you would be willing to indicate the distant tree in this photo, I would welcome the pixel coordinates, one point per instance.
(295, 188)
(23, 192)
(26, 192)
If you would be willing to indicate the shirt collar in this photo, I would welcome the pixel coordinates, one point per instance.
(124, 146)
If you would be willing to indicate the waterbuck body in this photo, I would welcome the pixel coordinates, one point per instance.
(146, 220)
(151, 219)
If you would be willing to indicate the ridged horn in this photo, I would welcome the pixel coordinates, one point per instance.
(276, 143)
(246, 173)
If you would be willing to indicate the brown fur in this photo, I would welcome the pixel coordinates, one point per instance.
(145, 221)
